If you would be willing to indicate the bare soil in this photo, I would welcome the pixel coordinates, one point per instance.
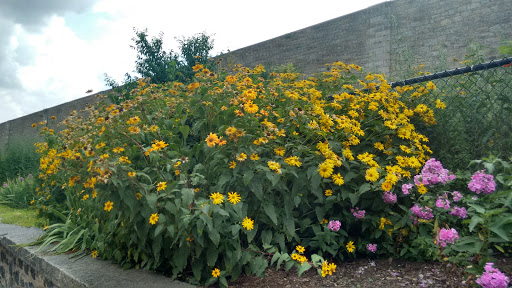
(363, 273)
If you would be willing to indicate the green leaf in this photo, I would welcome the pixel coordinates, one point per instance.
(474, 221)
(478, 208)
(187, 196)
(256, 188)
(320, 213)
(468, 244)
(248, 176)
(271, 212)
(289, 224)
(223, 282)
(274, 258)
(304, 267)
(185, 130)
(211, 256)
(266, 237)
(214, 236)
(317, 260)
(252, 233)
(354, 198)
(498, 229)
(364, 188)
(159, 230)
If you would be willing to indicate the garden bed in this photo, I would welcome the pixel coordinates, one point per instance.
(364, 273)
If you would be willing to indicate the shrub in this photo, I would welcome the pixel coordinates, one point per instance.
(18, 193)
(218, 177)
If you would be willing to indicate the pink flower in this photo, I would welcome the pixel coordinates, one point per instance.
(456, 196)
(422, 212)
(492, 278)
(371, 247)
(359, 214)
(334, 225)
(442, 202)
(406, 188)
(482, 183)
(459, 212)
(433, 173)
(447, 236)
(389, 197)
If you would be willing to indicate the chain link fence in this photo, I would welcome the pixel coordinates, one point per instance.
(477, 120)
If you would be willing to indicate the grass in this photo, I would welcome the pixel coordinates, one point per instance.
(20, 217)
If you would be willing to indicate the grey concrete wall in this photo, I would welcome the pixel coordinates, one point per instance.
(19, 131)
(390, 37)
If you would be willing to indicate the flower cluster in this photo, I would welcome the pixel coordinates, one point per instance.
(371, 247)
(447, 236)
(422, 212)
(328, 268)
(433, 173)
(492, 278)
(459, 212)
(359, 214)
(389, 197)
(334, 225)
(482, 183)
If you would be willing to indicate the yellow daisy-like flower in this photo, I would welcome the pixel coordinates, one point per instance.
(293, 161)
(138, 196)
(325, 169)
(386, 186)
(94, 254)
(234, 197)
(161, 186)
(372, 174)
(241, 157)
(131, 174)
(350, 246)
(34, 125)
(378, 146)
(300, 249)
(255, 157)
(108, 206)
(422, 189)
(118, 149)
(217, 198)
(153, 219)
(248, 223)
(274, 166)
(338, 179)
(100, 145)
(328, 192)
(153, 128)
(212, 140)
(215, 272)
(134, 120)
(232, 164)
(159, 145)
(134, 129)
(250, 107)
(279, 151)
(324, 221)
(328, 269)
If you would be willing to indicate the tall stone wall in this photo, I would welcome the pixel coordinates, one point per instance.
(390, 37)
(386, 38)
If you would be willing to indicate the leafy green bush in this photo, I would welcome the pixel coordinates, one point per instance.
(18, 160)
(231, 172)
(19, 192)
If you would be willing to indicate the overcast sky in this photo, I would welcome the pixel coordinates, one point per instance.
(53, 51)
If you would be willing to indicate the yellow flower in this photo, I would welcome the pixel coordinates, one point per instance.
(299, 258)
(241, 157)
(212, 139)
(325, 169)
(328, 269)
(217, 198)
(372, 174)
(215, 272)
(86, 196)
(378, 146)
(138, 196)
(94, 194)
(254, 156)
(153, 219)
(153, 128)
(248, 223)
(34, 125)
(250, 107)
(159, 145)
(293, 161)
(300, 249)
(131, 174)
(232, 164)
(274, 166)
(422, 189)
(338, 179)
(197, 67)
(94, 254)
(234, 197)
(118, 149)
(386, 186)
(279, 151)
(161, 186)
(324, 221)
(350, 247)
(134, 120)
(134, 129)
(108, 206)
(328, 192)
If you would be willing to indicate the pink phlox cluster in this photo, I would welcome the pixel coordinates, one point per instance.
(433, 173)
(447, 236)
(492, 278)
(406, 188)
(443, 202)
(334, 225)
(482, 183)
(371, 247)
(456, 196)
(459, 212)
(389, 197)
(422, 212)
(359, 214)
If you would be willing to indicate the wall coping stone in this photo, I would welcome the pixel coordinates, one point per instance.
(85, 272)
